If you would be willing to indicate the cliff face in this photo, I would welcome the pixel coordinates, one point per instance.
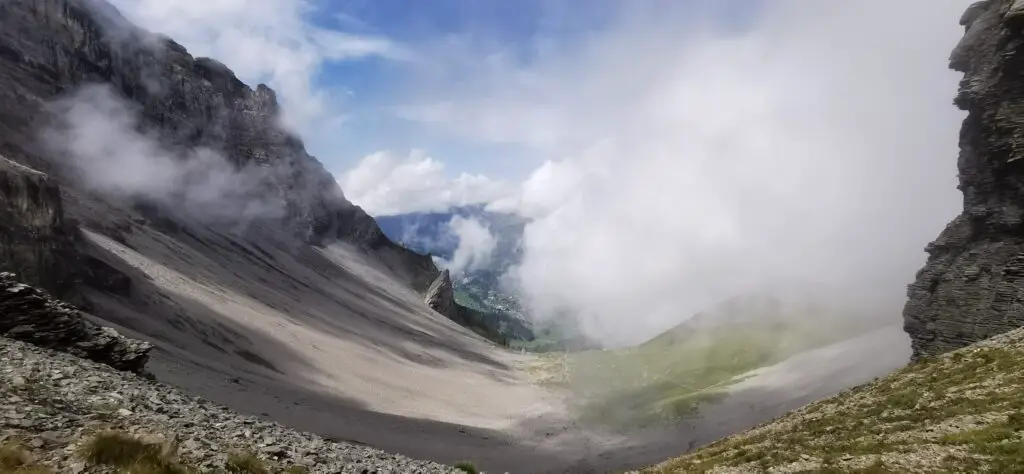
(35, 240)
(50, 48)
(972, 286)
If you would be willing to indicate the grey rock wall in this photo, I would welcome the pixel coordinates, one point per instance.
(36, 241)
(972, 286)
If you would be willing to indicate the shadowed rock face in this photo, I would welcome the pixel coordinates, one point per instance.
(972, 286)
(30, 315)
(51, 48)
(441, 295)
(35, 240)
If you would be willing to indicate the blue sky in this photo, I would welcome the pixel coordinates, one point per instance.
(379, 84)
(516, 29)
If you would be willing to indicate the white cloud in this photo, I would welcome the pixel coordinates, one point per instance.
(385, 184)
(97, 135)
(820, 146)
(476, 245)
(268, 41)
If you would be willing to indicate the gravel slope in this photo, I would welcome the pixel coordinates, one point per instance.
(53, 402)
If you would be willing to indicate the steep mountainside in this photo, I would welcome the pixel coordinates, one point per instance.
(163, 195)
(48, 48)
(972, 287)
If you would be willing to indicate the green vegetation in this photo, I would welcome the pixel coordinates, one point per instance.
(667, 378)
(467, 467)
(130, 454)
(245, 463)
(490, 316)
(958, 413)
(125, 453)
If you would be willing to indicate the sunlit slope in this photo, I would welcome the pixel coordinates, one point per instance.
(959, 412)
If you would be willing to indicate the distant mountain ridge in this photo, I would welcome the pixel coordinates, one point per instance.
(481, 288)
(429, 232)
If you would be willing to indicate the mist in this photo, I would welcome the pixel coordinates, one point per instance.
(476, 245)
(809, 154)
(97, 135)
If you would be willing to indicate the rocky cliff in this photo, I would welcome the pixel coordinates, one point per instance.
(49, 49)
(972, 286)
(36, 242)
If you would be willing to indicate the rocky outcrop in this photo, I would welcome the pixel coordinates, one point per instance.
(30, 315)
(441, 296)
(36, 242)
(51, 48)
(972, 286)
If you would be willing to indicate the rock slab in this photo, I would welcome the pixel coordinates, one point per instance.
(31, 315)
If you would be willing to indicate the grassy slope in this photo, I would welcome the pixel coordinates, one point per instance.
(664, 381)
(960, 412)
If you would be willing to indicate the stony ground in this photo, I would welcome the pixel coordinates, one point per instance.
(961, 412)
(55, 408)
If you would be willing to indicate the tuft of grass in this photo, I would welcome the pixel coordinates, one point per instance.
(246, 463)
(296, 469)
(467, 467)
(129, 454)
(16, 459)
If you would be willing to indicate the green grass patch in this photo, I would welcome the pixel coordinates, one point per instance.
(126, 453)
(958, 413)
(246, 463)
(667, 379)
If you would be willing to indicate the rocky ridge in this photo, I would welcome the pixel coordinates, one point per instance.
(972, 286)
(52, 403)
(30, 315)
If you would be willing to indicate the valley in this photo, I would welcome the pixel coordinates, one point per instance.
(182, 280)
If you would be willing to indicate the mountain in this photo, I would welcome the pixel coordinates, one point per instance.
(971, 287)
(490, 303)
(163, 198)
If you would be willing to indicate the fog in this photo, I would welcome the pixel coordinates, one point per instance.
(476, 245)
(97, 135)
(691, 160)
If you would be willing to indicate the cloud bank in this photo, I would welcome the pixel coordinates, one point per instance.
(475, 248)
(384, 183)
(97, 135)
(815, 147)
